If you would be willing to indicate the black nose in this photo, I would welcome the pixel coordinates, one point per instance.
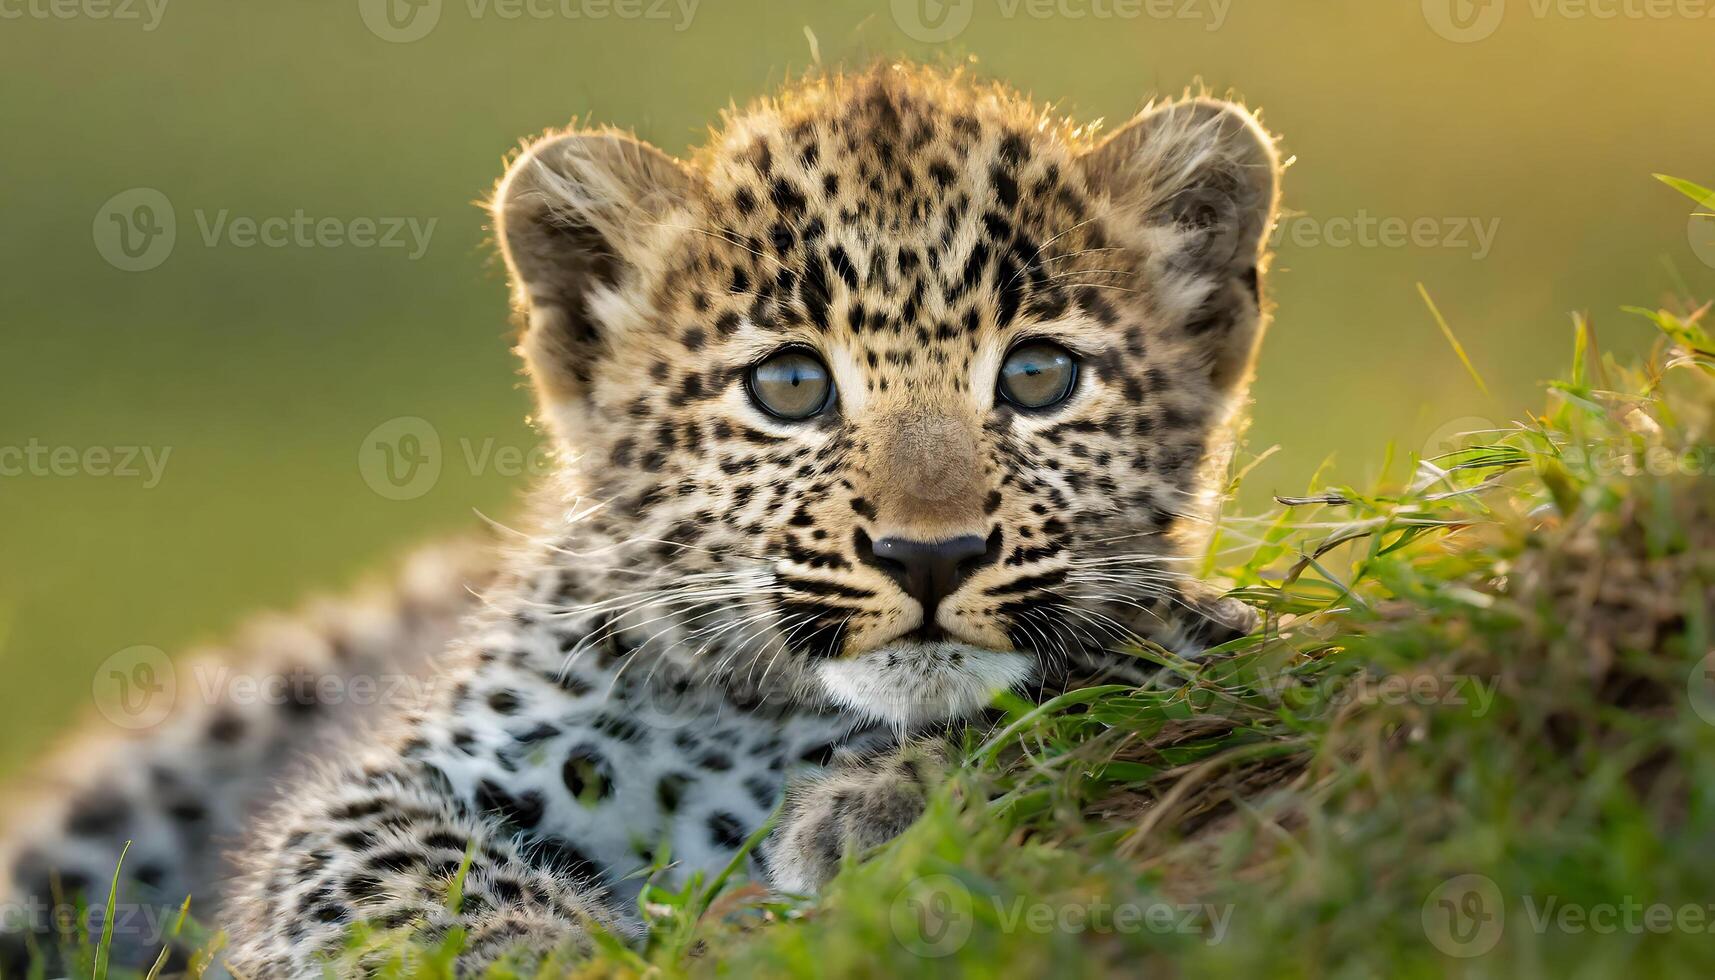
(929, 571)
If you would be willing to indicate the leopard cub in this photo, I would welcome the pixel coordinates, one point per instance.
(900, 393)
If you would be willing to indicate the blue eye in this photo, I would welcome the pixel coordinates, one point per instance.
(793, 384)
(1037, 374)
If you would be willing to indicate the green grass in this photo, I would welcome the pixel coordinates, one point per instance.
(1475, 738)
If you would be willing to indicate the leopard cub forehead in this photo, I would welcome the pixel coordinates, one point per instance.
(898, 218)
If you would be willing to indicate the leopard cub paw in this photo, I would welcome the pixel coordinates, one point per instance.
(847, 812)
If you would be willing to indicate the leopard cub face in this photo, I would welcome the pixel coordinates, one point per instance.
(899, 392)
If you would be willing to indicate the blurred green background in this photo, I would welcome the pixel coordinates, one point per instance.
(261, 369)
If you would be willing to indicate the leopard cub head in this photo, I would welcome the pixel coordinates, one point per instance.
(901, 390)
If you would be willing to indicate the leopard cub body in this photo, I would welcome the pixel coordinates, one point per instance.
(898, 394)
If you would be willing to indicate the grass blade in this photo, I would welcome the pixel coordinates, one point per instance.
(1447, 332)
(104, 949)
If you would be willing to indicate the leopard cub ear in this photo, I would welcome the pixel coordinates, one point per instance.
(584, 220)
(1194, 186)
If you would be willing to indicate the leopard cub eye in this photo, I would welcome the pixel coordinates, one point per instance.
(792, 384)
(1038, 374)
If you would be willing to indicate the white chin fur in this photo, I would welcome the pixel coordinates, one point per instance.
(911, 683)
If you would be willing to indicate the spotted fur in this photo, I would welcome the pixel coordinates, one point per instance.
(184, 790)
(699, 617)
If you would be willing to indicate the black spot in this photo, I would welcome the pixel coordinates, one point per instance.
(540, 733)
(558, 854)
(393, 860)
(358, 840)
(362, 886)
(506, 890)
(329, 912)
(151, 875)
(763, 792)
(446, 840)
(226, 728)
(842, 265)
(726, 830)
(786, 197)
(354, 811)
(587, 775)
(819, 755)
(1005, 187)
(96, 815)
(623, 729)
(670, 791)
(523, 810)
(187, 811)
